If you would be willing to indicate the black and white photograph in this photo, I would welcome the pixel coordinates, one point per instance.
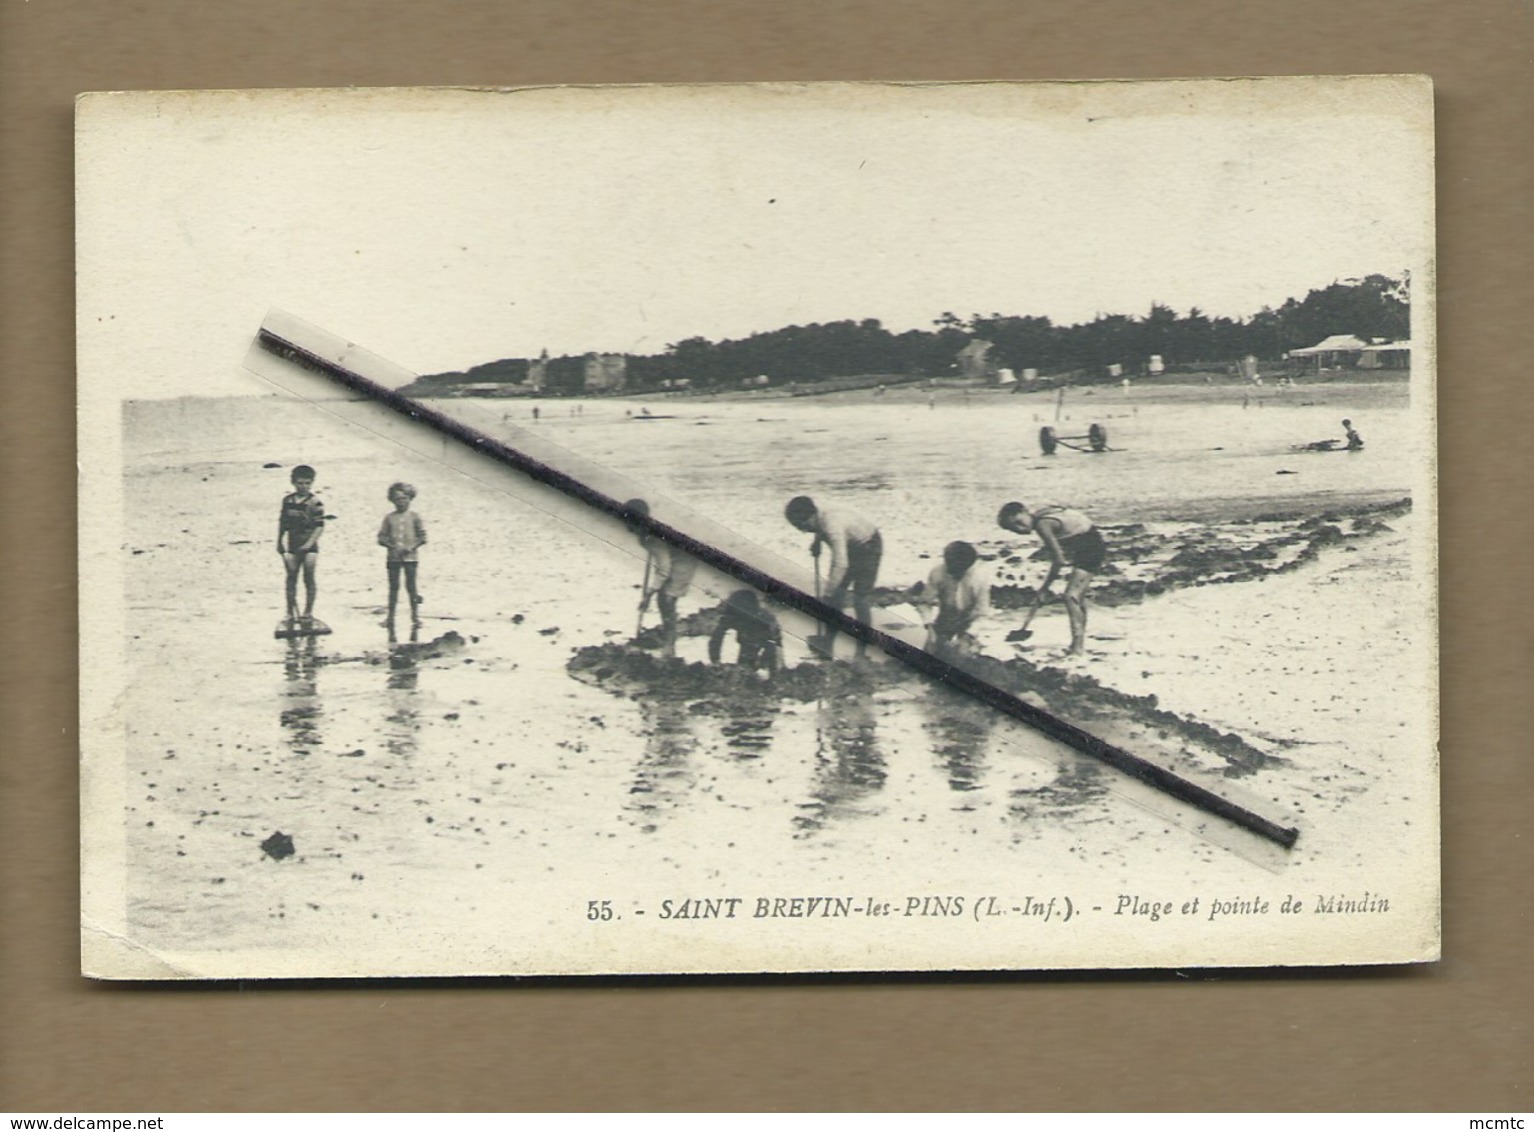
(757, 528)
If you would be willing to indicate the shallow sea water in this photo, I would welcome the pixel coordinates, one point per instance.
(470, 788)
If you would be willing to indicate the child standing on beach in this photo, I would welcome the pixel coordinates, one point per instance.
(299, 526)
(402, 534)
(667, 574)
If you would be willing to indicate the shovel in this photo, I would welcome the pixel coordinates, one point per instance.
(817, 643)
(1022, 634)
(644, 600)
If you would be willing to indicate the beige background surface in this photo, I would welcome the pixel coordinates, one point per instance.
(1456, 1036)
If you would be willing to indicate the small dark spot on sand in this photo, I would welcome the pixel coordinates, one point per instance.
(269, 464)
(549, 632)
(278, 846)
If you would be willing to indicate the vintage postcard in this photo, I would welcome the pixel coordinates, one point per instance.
(781, 528)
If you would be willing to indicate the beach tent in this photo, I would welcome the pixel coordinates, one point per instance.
(1334, 344)
(1385, 355)
(1332, 350)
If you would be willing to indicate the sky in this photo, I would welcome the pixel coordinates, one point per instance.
(442, 229)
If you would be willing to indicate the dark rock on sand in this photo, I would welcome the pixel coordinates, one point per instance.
(279, 846)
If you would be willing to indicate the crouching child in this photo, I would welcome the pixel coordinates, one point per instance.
(961, 592)
(756, 631)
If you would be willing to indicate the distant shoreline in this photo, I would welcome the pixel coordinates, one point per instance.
(1218, 386)
(1372, 391)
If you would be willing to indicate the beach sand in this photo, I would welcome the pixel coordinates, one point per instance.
(467, 796)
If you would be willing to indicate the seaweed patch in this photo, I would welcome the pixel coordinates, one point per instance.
(1147, 560)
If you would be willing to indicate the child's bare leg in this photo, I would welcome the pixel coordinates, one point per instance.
(836, 599)
(1076, 609)
(310, 589)
(415, 597)
(290, 564)
(393, 569)
(667, 605)
(863, 609)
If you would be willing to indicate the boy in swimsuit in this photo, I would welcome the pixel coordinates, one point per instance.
(856, 548)
(1355, 442)
(299, 526)
(756, 631)
(1076, 548)
(402, 534)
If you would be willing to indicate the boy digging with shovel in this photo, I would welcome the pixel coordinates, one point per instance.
(1075, 547)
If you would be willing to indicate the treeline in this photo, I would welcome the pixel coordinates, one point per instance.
(802, 353)
(1373, 307)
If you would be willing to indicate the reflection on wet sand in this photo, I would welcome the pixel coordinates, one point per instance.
(1079, 787)
(415, 633)
(961, 729)
(748, 729)
(663, 777)
(301, 713)
(849, 765)
(402, 725)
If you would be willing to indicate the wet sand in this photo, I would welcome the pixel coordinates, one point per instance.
(475, 788)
